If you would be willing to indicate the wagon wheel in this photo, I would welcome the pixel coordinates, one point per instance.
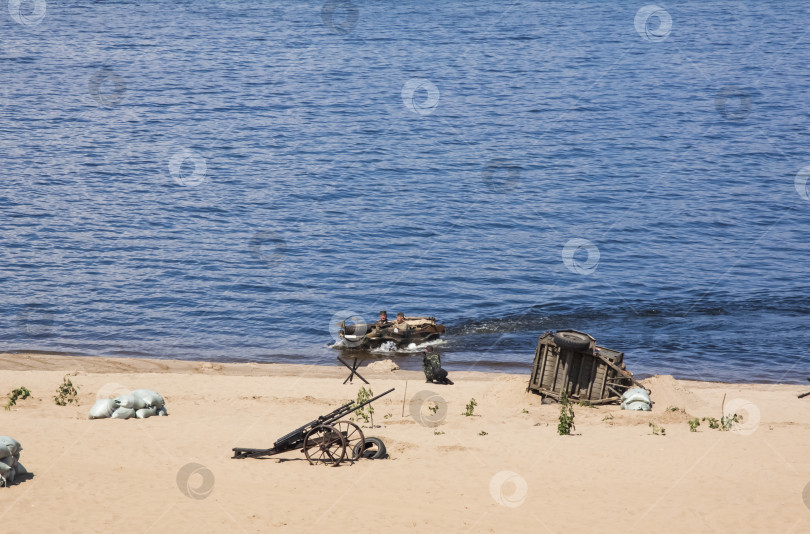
(353, 435)
(325, 444)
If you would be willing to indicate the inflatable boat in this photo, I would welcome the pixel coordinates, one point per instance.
(371, 336)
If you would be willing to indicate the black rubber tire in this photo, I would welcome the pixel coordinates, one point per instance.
(369, 453)
(572, 340)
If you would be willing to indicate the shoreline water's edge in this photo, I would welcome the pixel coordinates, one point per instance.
(467, 462)
(51, 360)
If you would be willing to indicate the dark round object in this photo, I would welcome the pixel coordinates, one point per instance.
(325, 444)
(572, 340)
(353, 436)
(372, 448)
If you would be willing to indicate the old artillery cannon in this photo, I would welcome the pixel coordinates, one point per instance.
(325, 440)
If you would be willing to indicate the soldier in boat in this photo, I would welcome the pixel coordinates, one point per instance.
(401, 325)
(378, 327)
(402, 332)
(383, 322)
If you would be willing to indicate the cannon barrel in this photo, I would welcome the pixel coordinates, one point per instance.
(290, 440)
(343, 411)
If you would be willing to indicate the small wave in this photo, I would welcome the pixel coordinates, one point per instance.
(391, 347)
(388, 346)
(553, 316)
(339, 344)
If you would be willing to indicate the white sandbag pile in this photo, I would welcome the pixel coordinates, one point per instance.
(636, 399)
(10, 466)
(141, 403)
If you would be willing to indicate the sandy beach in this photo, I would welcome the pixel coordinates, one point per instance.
(504, 469)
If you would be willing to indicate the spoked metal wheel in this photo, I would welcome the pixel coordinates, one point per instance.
(325, 444)
(353, 435)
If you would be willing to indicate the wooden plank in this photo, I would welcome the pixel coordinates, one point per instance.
(583, 366)
(566, 378)
(556, 368)
(543, 350)
(551, 359)
(597, 379)
(533, 379)
(607, 400)
(604, 383)
(592, 379)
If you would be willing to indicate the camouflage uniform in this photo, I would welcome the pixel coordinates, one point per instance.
(431, 363)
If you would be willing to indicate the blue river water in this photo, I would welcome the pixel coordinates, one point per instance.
(225, 180)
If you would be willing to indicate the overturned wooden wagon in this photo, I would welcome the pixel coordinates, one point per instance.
(571, 361)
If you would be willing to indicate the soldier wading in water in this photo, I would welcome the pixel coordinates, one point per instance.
(432, 366)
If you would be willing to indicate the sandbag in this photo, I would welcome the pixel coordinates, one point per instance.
(123, 413)
(146, 398)
(12, 444)
(10, 461)
(20, 469)
(4, 452)
(126, 401)
(639, 406)
(637, 399)
(162, 411)
(7, 472)
(634, 394)
(102, 409)
(143, 413)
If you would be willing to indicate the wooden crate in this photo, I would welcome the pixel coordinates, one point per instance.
(594, 374)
